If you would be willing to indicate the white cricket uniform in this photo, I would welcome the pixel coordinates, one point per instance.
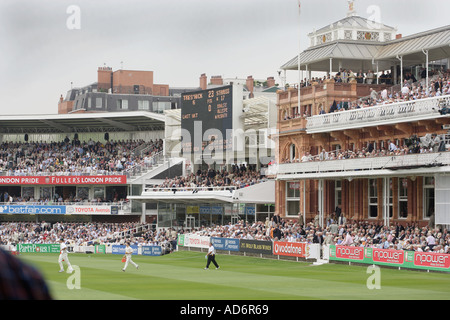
(63, 257)
(128, 253)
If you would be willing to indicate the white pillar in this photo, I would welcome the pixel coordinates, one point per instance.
(386, 190)
(321, 202)
(378, 76)
(401, 69)
(331, 66)
(426, 67)
(304, 201)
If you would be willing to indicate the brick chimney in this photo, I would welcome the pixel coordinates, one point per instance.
(398, 36)
(217, 80)
(250, 83)
(104, 80)
(203, 81)
(270, 82)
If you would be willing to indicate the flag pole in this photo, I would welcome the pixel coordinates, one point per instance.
(298, 59)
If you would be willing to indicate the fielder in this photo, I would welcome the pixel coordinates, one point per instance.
(63, 257)
(127, 256)
(211, 256)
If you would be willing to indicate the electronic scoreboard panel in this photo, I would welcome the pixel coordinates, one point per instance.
(208, 119)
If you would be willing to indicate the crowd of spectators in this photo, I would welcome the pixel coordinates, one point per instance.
(45, 232)
(338, 230)
(427, 144)
(240, 176)
(348, 75)
(410, 90)
(85, 234)
(73, 156)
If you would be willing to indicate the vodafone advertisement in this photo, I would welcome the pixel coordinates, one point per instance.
(296, 249)
(62, 180)
(292, 249)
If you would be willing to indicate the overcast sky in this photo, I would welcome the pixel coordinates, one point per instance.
(177, 39)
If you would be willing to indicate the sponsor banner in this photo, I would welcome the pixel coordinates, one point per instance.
(181, 240)
(151, 250)
(114, 209)
(55, 209)
(192, 209)
(396, 258)
(120, 249)
(292, 249)
(348, 253)
(100, 248)
(205, 210)
(250, 211)
(432, 260)
(225, 244)
(89, 210)
(39, 248)
(192, 240)
(256, 246)
(211, 210)
(388, 256)
(32, 209)
(217, 210)
(62, 180)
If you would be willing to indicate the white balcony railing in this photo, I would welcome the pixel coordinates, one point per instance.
(421, 109)
(363, 164)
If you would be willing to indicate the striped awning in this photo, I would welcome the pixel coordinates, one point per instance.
(359, 54)
(352, 53)
(437, 41)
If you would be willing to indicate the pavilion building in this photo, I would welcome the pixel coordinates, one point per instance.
(323, 159)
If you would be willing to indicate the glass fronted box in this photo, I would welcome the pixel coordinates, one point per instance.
(188, 216)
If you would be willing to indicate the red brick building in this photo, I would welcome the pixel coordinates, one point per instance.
(334, 142)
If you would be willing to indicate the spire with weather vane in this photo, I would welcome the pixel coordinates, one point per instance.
(351, 8)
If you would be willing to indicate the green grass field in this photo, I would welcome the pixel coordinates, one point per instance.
(180, 276)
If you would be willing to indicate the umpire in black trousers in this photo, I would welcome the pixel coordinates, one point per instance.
(211, 256)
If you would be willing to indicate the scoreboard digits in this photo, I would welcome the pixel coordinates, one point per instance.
(213, 109)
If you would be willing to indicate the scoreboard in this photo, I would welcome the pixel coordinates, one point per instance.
(207, 116)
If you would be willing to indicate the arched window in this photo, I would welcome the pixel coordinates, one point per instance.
(292, 153)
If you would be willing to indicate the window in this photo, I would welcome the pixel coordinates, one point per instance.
(98, 102)
(28, 193)
(83, 193)
(402, 198)
(160, 106)
(292, 198)
(428, 197)
(391, 199)
(337, 193)
(99, 192)
(122, 104)
(292, 152)
(143, 105)
(46, 193)
(373, 198)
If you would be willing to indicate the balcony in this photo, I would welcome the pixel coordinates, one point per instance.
(409, 111)
(411, 164)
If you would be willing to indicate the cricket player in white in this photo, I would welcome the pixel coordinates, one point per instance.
(63, 257)
(211, 256)
(128, 253)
